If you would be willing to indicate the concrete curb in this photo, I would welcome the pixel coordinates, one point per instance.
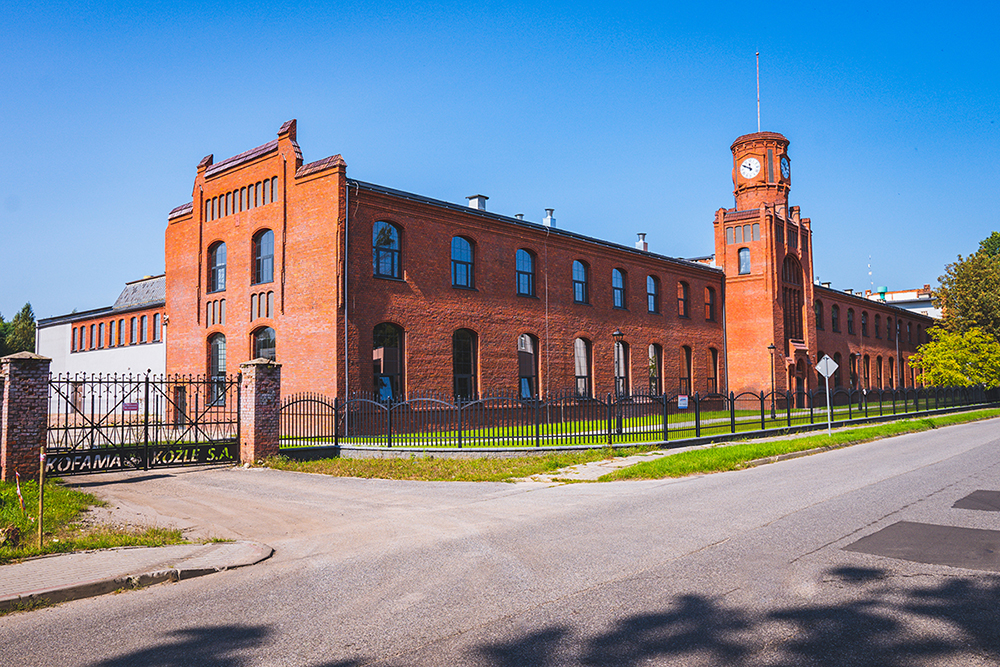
(256, 552)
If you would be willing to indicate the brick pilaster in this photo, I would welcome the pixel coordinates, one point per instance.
(260, 405)
(23, 413)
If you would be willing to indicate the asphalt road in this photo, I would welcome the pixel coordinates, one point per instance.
(743, 568)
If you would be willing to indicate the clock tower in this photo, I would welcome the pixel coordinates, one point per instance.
(765, 248)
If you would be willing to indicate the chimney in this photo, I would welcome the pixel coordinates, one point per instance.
(641, 243)
(519, 216)
(549, 221)
(477, 202)
(826, 285)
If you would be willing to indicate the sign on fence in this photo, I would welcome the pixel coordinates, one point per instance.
(682, 402)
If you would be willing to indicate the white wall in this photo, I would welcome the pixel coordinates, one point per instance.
(54, 342)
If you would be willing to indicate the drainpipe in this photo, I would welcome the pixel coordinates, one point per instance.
(347, 230)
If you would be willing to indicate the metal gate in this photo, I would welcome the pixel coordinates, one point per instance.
(100, 423)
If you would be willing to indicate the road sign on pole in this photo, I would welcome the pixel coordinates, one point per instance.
(826, 368)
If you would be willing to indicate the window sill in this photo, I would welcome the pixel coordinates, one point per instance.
(528, 296)
(582, 303)
(266, 282)
(390, 278)
(218, 291)
(618, 308)
(463, 287)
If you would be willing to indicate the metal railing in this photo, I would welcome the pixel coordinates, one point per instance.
(567, 419)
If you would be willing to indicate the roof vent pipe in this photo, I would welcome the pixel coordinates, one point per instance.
(641, 243)
(519, 216)
(549, 221)
(477, 201)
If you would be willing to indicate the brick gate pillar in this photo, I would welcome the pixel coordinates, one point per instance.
(23, 413)
(260, 405)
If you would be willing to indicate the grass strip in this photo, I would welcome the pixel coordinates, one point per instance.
(64, 530)
(721, 458)
(430, 469)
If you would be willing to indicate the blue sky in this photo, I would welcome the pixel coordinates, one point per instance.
(619, 116)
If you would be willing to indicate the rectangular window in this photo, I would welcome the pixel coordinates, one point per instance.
(729, 236)
(756, 231)
(739, 234)
(131, 332)
(111, 333)
(156, 327)
(121, 331)
(100, 336)
(682, 300)
(91, 344)
(72, 346)
(142, 329)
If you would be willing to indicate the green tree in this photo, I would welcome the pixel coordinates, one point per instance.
(991, 244)
(959, 359)
(970, 290)
(18, 335)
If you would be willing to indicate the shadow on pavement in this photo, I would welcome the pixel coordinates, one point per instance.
(886, 625)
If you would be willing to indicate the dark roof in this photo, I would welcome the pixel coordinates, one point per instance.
(319, 165)
(865, 302)
(245, 156)
(141, 293)
(554, 231)
(183, 209)
(72, 317)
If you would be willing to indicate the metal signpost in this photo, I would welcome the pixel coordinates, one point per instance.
(826, 368)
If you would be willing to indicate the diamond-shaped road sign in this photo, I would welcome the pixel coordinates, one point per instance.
(827, 366)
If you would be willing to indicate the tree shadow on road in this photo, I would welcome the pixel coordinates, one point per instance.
(888, 621)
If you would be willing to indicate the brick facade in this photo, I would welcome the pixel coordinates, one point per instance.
(23, 413)
(323, 283)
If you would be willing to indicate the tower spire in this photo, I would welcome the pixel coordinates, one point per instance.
(758, 91)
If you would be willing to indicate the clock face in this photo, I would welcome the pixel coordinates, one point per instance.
(786, 168)
(750, 167)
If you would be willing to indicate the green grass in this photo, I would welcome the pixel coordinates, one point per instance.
(63, 530)
(429, 469)
(733, 457)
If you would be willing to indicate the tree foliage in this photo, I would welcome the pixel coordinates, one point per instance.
(970, 290)
(18, 335)
(959, 359)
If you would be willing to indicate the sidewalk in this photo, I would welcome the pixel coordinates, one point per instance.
(61, 577)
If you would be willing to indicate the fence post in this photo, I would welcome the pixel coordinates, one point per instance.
(23, 414)
(260, 408)
(610, 417)
(812, 401)
(697, 416)
(788, 407)
(388, 423)
(336, 411)
(459, 405)
(732, 412)
(538, 443)
(763, 416)
(663, 399)
(145, 423)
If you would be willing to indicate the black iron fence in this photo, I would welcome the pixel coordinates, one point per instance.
(112, 422)
(567, 419)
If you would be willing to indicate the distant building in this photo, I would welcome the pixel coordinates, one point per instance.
(125, 338)
(914, 300)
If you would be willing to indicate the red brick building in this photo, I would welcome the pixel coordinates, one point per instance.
(358, 287)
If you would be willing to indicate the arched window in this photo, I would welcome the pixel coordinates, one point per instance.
(867, 372)
(463, 364)
(527, 366)
(850, 321)
(710, 304)
(835, 318)
(687, 371)
(818, 307)
(891, 367)
(217, 267)
(683, 296)
(581, 367)
(264, 343)
(263, 257)
(142, 329)
(121, 330)
(462, 274)
(864, 323)
(387, 361)
(618, 288)
(888, 328)
(878, 326)
(217, 369)
(73, 345)
(386, 250)
(100, 336)
(111, 333)
(713, 370)
(621, 368)
(744, 257)
(820, 381)
(655, 369)
(156, 328)
(93, 336)
(854, 370)
(132, 332)
(878, 372)
(909, 332)
(652, 294)
(525, 267)
(791, 297)
(837, 359)
(581, 291)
